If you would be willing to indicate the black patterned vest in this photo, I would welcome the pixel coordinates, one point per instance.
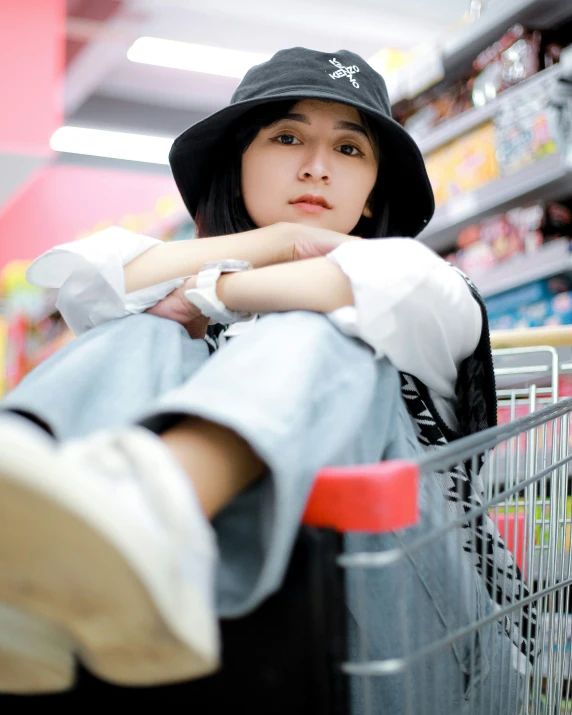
(463, 490)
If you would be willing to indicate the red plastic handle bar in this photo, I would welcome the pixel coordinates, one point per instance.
(373, 498)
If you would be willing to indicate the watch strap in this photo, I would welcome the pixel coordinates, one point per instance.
(204, 296)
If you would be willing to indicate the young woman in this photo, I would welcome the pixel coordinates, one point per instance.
(151, 482)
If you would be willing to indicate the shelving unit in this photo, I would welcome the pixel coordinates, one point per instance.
(551, 260)
(453, 56)
(460, 50)
(548, 179)
(454, 128)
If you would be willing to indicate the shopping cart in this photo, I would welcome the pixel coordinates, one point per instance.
(294, 654)
(299, 643)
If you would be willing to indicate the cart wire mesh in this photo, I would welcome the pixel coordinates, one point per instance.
(523, 637)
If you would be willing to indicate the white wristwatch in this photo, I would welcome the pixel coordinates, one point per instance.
(204, 296)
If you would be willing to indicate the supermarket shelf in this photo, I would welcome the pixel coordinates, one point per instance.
(548, 179)
(454, 128)
(460, 50)
(550, 260)
(456, 53)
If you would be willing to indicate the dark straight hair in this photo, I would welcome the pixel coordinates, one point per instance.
(221, 210)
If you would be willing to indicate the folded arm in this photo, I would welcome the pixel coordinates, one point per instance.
(397, 295)
(315, 284)
(115, 273)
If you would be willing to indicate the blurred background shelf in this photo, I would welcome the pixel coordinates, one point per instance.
(550, 260)
(454, 55)
(460, 50)
(454, 128)
(547, 179)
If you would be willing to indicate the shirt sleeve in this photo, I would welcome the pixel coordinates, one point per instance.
(88, 274)
(410, 306)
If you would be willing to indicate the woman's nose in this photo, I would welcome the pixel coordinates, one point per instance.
(315, 167)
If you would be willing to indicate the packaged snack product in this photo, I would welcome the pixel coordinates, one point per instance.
(519, 231)
(557, 220)
(431, 110)
(526, 130)
(464, 164)
(502, 236)
(547, 302)
(512, 59)
(527, 222)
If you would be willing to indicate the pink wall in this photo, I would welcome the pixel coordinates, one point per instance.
(62, 202)
(32, 59)
(59, 202)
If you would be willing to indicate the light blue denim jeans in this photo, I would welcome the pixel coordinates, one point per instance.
(304, 396)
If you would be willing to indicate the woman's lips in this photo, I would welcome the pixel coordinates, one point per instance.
(309, 208)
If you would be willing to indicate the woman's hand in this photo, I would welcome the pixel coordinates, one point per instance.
(310, 242)
(176, 307)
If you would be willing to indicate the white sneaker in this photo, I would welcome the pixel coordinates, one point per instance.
(104, 537)
(36, 657)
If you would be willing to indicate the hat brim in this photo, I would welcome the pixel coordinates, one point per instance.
(411, 200)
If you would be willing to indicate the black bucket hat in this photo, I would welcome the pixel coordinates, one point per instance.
(299, 73)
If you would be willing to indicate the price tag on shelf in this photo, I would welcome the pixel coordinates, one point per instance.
(461, 207)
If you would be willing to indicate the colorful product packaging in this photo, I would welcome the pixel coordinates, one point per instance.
(534, 305)
(464, 165)
(514, 58)
(523, 230)
(527, 131)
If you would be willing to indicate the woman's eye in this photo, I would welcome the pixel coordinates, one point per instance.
(286, 139)
(350, 150)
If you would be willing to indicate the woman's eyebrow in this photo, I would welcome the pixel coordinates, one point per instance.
(352, 127)
(340, 124)
(294, 118)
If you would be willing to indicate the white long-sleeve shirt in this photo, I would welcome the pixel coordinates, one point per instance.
(410, 305)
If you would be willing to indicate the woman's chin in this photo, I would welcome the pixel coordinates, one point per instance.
(317, 220)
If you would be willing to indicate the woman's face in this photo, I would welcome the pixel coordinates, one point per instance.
(320, 152)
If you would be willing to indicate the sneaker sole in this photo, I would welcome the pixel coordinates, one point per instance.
(56, 563)
(36, 657)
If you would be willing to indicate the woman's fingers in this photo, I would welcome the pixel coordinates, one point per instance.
(316, 242)
(176, 307)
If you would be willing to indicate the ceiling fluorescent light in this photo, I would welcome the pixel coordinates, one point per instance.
(113, 145)
(194, 58)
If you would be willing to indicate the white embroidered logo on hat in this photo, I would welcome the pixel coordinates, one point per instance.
(345, 72)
